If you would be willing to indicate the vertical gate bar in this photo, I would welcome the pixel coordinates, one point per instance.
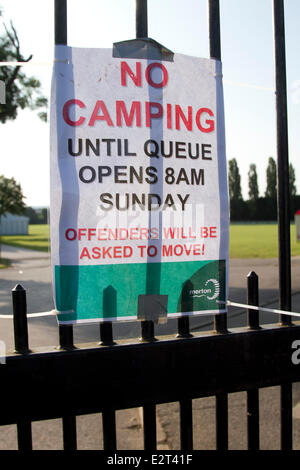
(69, 433)
(220, 319)
(24, 432)
(61, 37)
(149, 425)
(253, 395)
(141, 26)
(186, 424)
(66, 340)
(109, 311)
(60, 22)
(65, 331)
(222, 421)
(147, 331)
(20, 319)
(253, 419)
(252, 299)
(106, 334)
(214, 29)
(186, 406)
(109, 430)
(141, 19)
(183, 327)
(215, 52)
(283, 209)
(286, 417)
(68, 422)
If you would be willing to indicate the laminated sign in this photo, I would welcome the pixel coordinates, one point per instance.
(139, 201)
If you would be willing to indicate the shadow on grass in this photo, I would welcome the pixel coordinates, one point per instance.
(38, 238)
(30, 242)
(28, 245)
(4, 263)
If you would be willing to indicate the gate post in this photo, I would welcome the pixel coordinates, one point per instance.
(283, 209)
(141, 18)
(215, 53)
(24, 433)
(65, 331)
(20, 319)
(253, 395)
(252, 299)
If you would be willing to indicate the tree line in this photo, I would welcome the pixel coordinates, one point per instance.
(258, 208)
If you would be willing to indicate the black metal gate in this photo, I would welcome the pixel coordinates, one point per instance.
(176, 369)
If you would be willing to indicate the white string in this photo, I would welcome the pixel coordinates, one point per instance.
(41, 314)
(262, 309)
(228, 303)
(32, 315)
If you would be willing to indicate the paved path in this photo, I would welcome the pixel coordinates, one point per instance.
(32, 270)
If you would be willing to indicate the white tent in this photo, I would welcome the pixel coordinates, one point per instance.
(14, 224)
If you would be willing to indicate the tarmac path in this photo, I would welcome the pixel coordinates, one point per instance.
(32, 270)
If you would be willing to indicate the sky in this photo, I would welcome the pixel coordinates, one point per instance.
(182, 26)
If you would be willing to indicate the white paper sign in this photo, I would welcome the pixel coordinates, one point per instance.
(139, 202)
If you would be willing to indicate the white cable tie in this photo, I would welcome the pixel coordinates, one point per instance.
(62, 312)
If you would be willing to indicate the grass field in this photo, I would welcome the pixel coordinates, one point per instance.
(38, 238)
(246, 240)
(258, 241)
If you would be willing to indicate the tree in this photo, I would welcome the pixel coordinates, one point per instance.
(36, 216)
(252, 182)
(271, 189)
(20, 91)
(234, 181)
(292, 181)
(11, 197)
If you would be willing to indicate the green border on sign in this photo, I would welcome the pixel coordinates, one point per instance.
(112, 291)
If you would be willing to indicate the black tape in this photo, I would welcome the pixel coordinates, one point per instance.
(142, 49)
(153, 307)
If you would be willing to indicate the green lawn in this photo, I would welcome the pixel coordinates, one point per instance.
(38, 238)
(246, 240)
(258, 241)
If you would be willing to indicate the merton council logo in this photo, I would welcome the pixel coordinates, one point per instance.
(211, 290)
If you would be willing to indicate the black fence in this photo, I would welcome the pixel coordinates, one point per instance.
(152, 371)
(110, 376)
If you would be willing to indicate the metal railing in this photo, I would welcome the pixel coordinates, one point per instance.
(154, 371)
(110, 376)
